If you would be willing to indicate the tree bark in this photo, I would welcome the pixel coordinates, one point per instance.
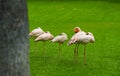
(14, 40)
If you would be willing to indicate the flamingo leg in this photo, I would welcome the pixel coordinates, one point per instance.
(59, 53)
(35, 48)
(75, 53)
(35, 43)
(44, 50)
(85, 54)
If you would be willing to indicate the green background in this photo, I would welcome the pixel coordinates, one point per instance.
(102, 18)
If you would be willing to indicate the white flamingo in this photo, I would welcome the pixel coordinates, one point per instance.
(60, 39)
(78, 32)
(81, 38)
(36, 32)
(44, 37)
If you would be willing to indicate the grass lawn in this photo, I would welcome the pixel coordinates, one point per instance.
(99, 17)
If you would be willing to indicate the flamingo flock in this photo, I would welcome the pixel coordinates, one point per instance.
(80, 37)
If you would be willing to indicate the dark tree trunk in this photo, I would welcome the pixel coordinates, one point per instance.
(14, 41)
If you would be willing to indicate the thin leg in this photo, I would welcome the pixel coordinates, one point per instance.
(44, 51)
(85, 54)
(75, 52)
(59, 54)
(35, 48)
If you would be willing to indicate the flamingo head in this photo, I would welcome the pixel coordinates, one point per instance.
(77, 29)
(92, 37)
(51, 36)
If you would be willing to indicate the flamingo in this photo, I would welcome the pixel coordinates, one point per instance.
(85, 39)
(78, 32)
(35, 33)
(81, 38)
(60, 39)
(44, 37)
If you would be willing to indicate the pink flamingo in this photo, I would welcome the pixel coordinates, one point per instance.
(81, 38)
(46, 36)
(60, 39)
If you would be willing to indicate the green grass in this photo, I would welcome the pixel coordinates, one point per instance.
(99, 17)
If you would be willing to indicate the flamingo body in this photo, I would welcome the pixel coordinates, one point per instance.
(60, 38)
(36, 32)
(76, 37)
(44, 37)
(84, 39)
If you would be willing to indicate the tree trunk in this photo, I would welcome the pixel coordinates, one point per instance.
(14, 41)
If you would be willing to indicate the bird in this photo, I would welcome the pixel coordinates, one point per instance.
(78, 32)
(85, 39)
(81, 37)
(46, 36)
(61, 38)
(35, 33)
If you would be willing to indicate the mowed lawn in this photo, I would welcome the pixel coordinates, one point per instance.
(99, 17)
